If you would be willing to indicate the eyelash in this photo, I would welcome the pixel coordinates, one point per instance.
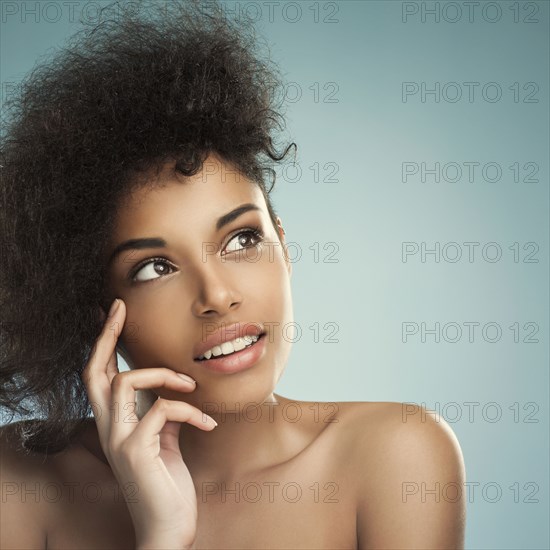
(255, 231)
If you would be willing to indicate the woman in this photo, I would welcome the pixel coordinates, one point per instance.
(134, 179)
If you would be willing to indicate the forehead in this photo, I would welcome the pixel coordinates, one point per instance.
(171, 199)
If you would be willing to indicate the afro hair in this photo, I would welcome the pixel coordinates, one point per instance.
(172, 81)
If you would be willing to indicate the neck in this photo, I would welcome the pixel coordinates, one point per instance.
(245, 441)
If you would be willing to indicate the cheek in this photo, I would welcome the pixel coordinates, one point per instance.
(152, 328)
(269, 289)
(264, 282)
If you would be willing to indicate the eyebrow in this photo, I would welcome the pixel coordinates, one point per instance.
(159, 242)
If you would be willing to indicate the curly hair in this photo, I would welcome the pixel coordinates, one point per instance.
(172, 81)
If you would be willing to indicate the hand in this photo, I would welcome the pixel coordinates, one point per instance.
(145, 452)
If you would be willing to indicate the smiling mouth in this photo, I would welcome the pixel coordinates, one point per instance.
(233, 353)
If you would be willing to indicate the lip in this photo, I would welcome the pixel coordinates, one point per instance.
(226, 334)
(238, 361)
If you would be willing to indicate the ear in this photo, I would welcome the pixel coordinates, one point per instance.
(281, 232)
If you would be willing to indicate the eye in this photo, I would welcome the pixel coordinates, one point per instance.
(155, 268)
(146, 271)
(246, 239)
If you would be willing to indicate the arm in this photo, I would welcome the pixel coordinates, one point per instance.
(413, 492)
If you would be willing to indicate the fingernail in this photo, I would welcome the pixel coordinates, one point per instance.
(114, 307)
(207, 419)
(185, 377)
(215, 423)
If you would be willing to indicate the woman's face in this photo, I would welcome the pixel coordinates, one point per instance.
(206, 276)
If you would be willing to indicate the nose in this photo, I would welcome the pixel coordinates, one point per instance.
(217, 292)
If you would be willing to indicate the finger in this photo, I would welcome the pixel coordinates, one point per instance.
(106, 341)
(167, 410)
(102, 367)
(123, 396)
(115, 327)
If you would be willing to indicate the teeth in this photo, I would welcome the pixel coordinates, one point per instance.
(230, 347)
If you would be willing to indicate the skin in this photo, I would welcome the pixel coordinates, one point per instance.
(357, 464)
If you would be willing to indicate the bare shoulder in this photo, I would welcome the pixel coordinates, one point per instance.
(22, 522)
(390, 436)
(17, 464)
(396, 425)
(410, 473)
(39, 491)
